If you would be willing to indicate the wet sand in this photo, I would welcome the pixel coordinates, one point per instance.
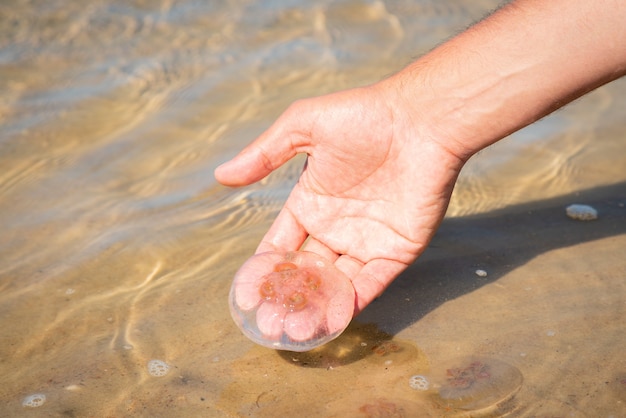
(552, 306)
(552, 303)
(118, 247)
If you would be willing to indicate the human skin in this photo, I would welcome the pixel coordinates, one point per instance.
(382, 160)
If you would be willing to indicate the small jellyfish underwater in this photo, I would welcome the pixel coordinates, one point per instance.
(292, 301)
(34, 400)
(479, 385)
(158, 368)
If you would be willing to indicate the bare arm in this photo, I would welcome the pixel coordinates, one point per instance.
(523, 62)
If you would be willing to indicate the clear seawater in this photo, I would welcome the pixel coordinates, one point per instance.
(118, 247)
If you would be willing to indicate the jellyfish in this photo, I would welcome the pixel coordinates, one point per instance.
(293, 301)
(480, 385)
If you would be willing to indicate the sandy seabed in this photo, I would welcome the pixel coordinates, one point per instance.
(118, 247)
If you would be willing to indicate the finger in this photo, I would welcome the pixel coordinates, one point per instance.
(286, 137)
(321, 249)
(373, 279)
(302, 326)
(285, 234)
(249, 278)
(269, 320)
(350, 266)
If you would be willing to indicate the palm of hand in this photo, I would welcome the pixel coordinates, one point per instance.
(371, 195)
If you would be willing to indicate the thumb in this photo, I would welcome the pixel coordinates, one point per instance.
(281, 142)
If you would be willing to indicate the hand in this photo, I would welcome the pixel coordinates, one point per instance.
(372, 193)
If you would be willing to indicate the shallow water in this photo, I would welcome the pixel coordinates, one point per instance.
(118, 246)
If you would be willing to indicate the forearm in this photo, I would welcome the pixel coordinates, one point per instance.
(523, 62)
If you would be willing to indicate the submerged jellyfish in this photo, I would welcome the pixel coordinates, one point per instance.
(480, 384)
(34, 400)
(291, 301)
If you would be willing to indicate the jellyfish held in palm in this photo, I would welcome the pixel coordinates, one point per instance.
(293, 301)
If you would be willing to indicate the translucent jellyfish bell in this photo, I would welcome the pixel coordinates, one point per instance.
(293, 301)
(480, 385)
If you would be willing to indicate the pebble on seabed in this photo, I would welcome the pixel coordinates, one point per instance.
(34, 400)
(581, 212)
(481, 273)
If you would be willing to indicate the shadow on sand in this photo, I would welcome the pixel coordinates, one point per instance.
(496, 242)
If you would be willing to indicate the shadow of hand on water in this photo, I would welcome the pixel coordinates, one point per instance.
(497, 242)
